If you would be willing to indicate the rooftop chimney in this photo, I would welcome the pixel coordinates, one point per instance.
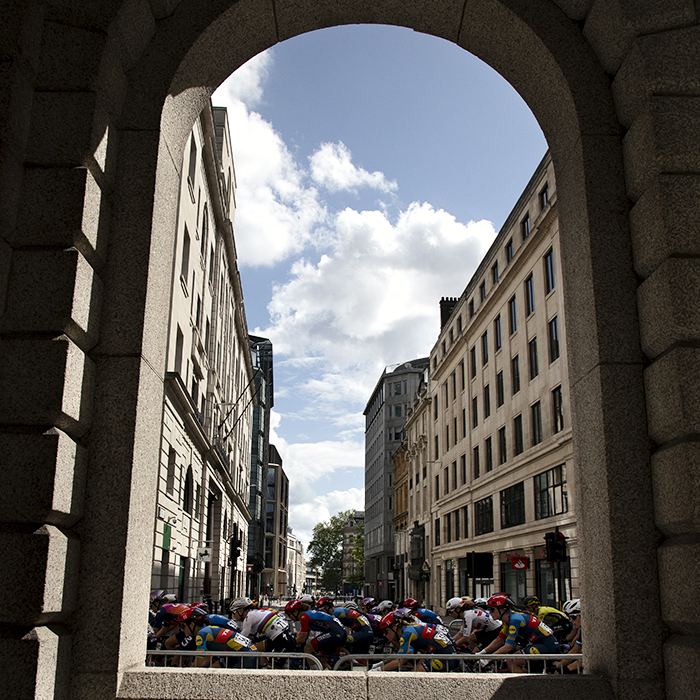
(447, 306)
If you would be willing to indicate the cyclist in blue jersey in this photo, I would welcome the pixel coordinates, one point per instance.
(402, 633)
(519, 628)
(332, 635)
(360, 634)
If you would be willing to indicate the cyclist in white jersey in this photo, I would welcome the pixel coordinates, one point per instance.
(268, 630)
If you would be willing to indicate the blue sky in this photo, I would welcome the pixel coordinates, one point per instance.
(374, 166)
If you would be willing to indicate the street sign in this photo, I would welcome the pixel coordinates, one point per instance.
(204, 554)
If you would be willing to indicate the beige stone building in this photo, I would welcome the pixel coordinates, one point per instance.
(296, 564)
(274, 575)
(490, 443)
(201, 513)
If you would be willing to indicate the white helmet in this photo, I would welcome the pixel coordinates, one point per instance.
(308, 599)
(241, 604)
(482, 603)
(572, 607)
(457, 604)
(386, 606)
(351, 605)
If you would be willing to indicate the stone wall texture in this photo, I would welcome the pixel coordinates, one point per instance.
(95, 100)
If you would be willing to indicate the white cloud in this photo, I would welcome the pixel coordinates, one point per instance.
(247, 85)
(332, 168)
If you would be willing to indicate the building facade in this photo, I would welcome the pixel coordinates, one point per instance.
(385, 415)
(296, 565)
(352, 575)
(204, 472)
(496, 424)
(274, 575)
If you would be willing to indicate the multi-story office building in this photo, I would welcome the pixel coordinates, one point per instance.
(296, 565)
(274, 575)
(262, 358)
(202, 515)
(354, 528)
(385, 415)
(492, 469)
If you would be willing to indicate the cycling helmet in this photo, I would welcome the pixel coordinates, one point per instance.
(386, 606)
(390, 619)
(410, 603)
(352, 606)
(501, 600)
(170, 598)
(293, 605)
(241, 604)
(308, 599)
(325, 601)
(455, 605)
(157, 595)
(482, 603)
(369, 602)
(572, 607)
(375, 611)
(531, 600)
(191, 614)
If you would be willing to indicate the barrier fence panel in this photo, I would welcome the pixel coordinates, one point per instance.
(233, 659)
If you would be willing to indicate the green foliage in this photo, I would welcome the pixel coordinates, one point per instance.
(326, 550)
(358, 554)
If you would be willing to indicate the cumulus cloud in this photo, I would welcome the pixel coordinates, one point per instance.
(332, 168)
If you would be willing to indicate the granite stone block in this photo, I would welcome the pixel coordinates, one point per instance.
(135, 26)
(679, 576)
(669, 306)
(609, 32)
(649, 16)
(672, 385)
(682, 660)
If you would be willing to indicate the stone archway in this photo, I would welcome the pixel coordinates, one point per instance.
(89, 168)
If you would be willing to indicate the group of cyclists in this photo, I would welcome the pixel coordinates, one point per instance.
(328, 630)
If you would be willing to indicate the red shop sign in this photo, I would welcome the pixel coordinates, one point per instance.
(520, 563)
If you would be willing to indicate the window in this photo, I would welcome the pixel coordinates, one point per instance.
(187, 492)
(489, 454)
(437, 447)
(472, 359)
(518, 434)
(529, 295)
(465, 520)
(475, 412)
(464, 422)
(550, 493)
(462, 374)
(192, 167)
(494, 272)
(557, 410)
(397, 389)
(446, 394)
(532, 356)
(437, 486)
(437, 532)
(513, 505)
(549, 271)
(502, 449)
(525, 226)
(476, 467)
(485, 348)
(544, 196)
(456, 518)
(482, 291)
(179, 342)
(487, 401)
(536, 410)
(435, 409)
(447, 438)
(515, 374)
(484, 515)
(497, 333)
(553, 332)
(447, 480)
(170, 479)
(397, 411)
(185, 262)
(463, 468)
(454, 475)
(448, 528)
(471, 308)
(512, 315)
(509, 251)
(459, 323)
(500, 392)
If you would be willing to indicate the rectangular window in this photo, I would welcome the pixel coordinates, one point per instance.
(525, 226)
(437, 532)
(498, 342)
(462, 375)
(435, 409)
(397, 411)
(512, 315)
(549, 271)
(192, 168)
(536, 410)
(476, 467)
(475, 412)
(489, 454)
(447, 480)
(532, 357)
(518, 434)
(448, 528)
(544, 196)
(482, 291)
(437, 447)
(457, 533)
(515, 374)
(437, 487)
(485, 348)
(472, 358)
(471, 308)
(447, 438)
(550, 493)
(529, 295)
(483, 510)
(463, 468)
(179, 342)
(446, 393)
(557, 410)
(502, 448)
(465, 520)
(553, 340)
(185, 262)
(464, 422)
(509, 250)
(487, 401)
(397, 389)
(454, 475)
(513, 505)
(494, 273)
(500, 391)
(459, 323)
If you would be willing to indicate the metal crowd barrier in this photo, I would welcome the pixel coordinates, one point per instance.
(271, 656)
(468, 662)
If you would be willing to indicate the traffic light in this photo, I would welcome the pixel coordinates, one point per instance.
(236, 548)
(555, 546)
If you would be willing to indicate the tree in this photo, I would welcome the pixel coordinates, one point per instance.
(358, 554)
(326, 549)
